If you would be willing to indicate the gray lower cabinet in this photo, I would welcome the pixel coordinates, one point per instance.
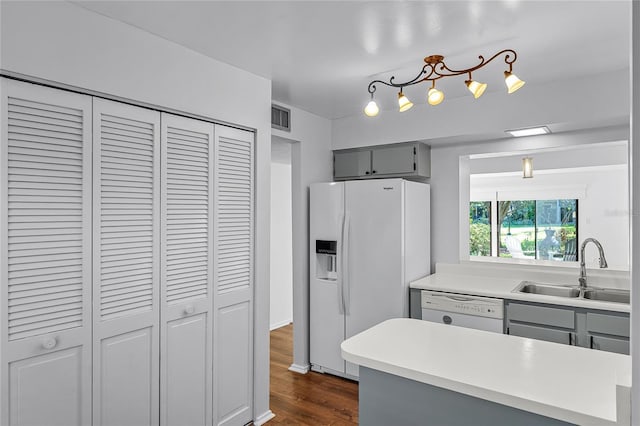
(608, 331)
(415, 303)
(590, 328)
(408, 159)
(541, 333)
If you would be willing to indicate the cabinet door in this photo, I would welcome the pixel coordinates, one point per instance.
(541, 333)
(609, 344)
(351, 164)
(542, 315)
(45, 261)
(395, 160)
(126, 179)
(233, 301)
(187, 272)
(609, 323)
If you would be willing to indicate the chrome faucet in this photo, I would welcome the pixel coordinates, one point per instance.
(582, 279)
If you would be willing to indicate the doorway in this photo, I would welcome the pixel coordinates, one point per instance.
(281, 276)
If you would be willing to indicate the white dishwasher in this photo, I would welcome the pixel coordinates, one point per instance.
(482, 313)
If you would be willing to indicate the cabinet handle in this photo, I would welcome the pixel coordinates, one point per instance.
(367, 172)
(49, 343)
(373, 171)
(590, 342)
(570, 339)
(189, 309)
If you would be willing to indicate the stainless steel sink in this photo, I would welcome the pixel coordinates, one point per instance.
(591, 293)
(607, 295)
(547, 289)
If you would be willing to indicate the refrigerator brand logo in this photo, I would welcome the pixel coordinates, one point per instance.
(388, 188)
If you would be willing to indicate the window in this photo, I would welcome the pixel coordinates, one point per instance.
(480, 228)
(526, 229)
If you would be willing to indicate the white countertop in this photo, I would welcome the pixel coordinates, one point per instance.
(501, 287)
(568, 383)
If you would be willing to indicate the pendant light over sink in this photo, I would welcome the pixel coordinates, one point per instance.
(435, 69)
(527, 167)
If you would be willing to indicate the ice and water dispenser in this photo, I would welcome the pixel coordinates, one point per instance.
(326, 260)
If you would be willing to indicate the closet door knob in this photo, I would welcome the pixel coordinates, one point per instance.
(49, 343)
(189, 309)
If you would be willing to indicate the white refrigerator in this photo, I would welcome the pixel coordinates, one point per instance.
(368, 240)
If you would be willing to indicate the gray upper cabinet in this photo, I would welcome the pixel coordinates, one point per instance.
(351, 164)
(398, 159)
(410, 160)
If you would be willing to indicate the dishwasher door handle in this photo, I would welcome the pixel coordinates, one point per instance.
(459, 298)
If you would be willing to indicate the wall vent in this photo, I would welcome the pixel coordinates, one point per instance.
(280, 118)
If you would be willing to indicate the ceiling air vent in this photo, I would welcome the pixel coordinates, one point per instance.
(280, 118)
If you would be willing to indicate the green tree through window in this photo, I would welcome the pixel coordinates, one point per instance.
(480, 228)
(535, 229)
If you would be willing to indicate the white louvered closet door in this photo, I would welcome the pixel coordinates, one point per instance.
(233, 301)
(45, 262)
(126, 251)
(187, 272)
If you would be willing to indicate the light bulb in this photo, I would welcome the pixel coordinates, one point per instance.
(512, 81)
(371, 110)
(403, 102)
(434, 96)
(476, 88)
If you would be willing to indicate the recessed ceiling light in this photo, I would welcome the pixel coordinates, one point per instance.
(531, 131)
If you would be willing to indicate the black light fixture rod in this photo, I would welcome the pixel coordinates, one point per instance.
(435, 68)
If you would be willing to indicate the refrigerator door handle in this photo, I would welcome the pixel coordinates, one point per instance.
(346, 281)
(340, 265)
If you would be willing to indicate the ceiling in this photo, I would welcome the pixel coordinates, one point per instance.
(321, 55)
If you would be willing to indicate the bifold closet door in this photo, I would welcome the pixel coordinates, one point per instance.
(187, 272)
(233, 301)
(45, 256)
(126, 269)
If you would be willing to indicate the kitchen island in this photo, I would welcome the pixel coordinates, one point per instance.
(418, 372)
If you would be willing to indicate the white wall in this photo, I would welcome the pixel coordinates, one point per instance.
(61, 42)
(281, 295)
(311, 161)
(447, 195)
(603, 204)
(560, 101)
(635, 194)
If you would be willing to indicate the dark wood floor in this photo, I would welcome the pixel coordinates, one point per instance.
(307, 399)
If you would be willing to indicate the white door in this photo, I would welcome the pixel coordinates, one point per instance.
(126, 270)
(326, 306)
(187, 272)
(375, 250)
(234, 281)
(45, 256)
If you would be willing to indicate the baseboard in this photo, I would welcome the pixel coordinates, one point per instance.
(302, 369)
(279, 324)
(263, 418)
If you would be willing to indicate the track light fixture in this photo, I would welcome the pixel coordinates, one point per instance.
(435, 69)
